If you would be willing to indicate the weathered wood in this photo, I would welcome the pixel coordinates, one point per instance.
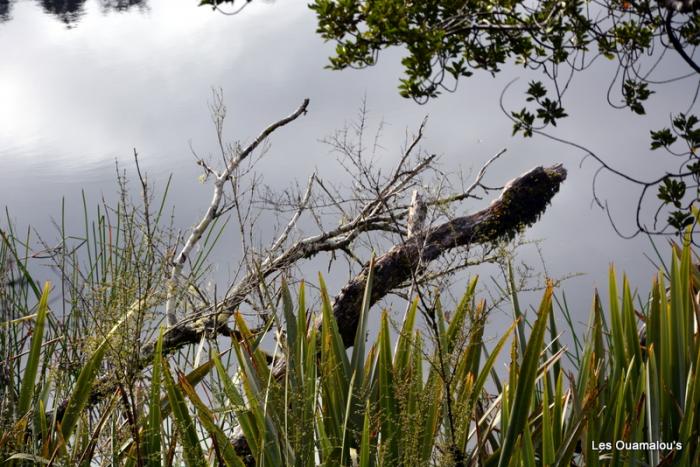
(522, 202)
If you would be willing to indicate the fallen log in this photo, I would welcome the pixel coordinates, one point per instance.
(521, 203)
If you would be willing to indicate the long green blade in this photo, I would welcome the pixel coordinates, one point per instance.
(30, 371)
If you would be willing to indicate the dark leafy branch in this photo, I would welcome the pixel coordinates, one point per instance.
(677, 193)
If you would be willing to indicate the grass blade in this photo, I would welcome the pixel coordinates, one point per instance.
(30, 370)
(525, 389)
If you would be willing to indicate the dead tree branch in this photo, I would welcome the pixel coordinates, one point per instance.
(214, 208)
(522, 202)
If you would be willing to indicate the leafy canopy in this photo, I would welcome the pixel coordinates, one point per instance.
(449, 40)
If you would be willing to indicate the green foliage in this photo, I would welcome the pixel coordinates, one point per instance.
(681, 190)
(53, 344)
(29, 377)
(448, 39)
(524, 384)
(152, 446)
(188, 432)
(403, 398)
(386, 407)
(635, 92)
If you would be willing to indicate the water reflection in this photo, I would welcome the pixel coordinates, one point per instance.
(4, 10)
(70, 11)
(122, 5)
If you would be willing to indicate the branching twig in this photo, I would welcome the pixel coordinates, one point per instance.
(213, 209)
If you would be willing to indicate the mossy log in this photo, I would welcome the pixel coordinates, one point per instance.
(521, 203)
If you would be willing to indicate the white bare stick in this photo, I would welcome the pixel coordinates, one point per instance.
(477, 181)
(302, 205)
(416, 214)
(212, 211)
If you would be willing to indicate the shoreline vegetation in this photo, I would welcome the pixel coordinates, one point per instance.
(75, 390)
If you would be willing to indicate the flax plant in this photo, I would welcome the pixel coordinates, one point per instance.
(630, 394)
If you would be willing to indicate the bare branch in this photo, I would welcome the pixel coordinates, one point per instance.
(302, 205)
(374, 208)
(213, 209)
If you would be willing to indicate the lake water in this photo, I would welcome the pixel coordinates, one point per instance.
(83, 83)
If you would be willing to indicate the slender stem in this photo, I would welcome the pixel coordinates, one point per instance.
(677, 44)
